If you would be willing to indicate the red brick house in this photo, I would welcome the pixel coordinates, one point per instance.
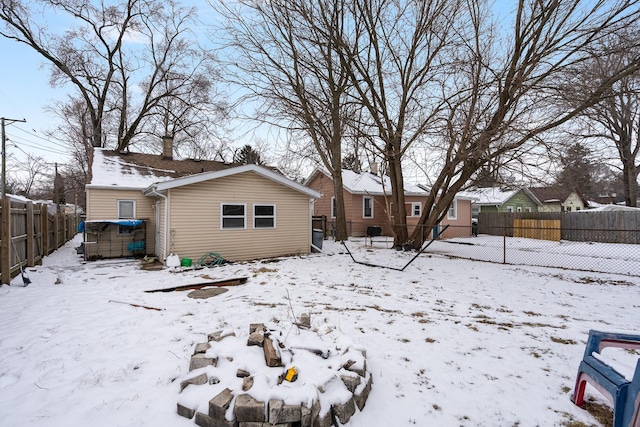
(368, 203)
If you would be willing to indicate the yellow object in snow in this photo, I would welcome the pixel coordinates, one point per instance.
(291, 375)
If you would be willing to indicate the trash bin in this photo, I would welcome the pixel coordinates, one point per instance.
(317, 236)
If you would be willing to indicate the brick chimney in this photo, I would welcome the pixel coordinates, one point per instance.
(167, 147)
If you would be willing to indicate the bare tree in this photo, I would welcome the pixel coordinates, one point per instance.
(283, 53)
(123, 59)
(616, 119)
(28, 175)
(505, 85)
(395, 54)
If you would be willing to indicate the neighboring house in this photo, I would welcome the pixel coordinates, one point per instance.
(367, 199)
(559, 199)
(191, 208)
(494, 199)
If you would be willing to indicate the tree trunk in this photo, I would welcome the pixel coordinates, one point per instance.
(400, 232)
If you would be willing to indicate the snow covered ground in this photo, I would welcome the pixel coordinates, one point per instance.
(450, 342)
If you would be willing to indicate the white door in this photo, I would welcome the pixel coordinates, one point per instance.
(158, 228)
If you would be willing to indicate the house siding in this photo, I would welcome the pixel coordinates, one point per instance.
(102, 204)
(357, 224)
(195, 215)
(519, 200)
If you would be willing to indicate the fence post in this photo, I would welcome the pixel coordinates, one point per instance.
(44, 229)
(56, 230)
(504, 248)
(5, 235)
(30, 236)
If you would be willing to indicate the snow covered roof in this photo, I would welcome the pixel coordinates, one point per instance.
(490, 196)
(138, 171)
(611, 208)
(368, 183)
(206, 176)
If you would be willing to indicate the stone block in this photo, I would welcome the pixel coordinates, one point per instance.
(185, 411)
(218, 336)
(197, 380)
(202, 347)
(256, 327)
(344, 411)
(200, 360)
(241, 373)
(271, 356)
(204, 420)
(324, 421)
(280, 413)
(351, 382)
(220, 403)
(247, 383)
(359, 367)
(256, 338)
(362, 395)
(257, 424)
(305, 416)
(305, 320)
(249, 409)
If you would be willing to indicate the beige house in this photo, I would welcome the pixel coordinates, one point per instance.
(558, 199)
(367, 204)
(241, 212)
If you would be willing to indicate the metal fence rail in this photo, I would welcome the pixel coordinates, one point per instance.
(615, 258)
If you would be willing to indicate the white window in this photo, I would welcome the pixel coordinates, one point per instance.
(509, 208)
(233, 216)
(453, 210)
(527, 209)
(333, 206)
(264, 216)
(416, 209)
(367, 207)
(126, 210)
(519, 209)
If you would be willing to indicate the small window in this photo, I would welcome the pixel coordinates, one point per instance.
(233, 216)
(416, 209)
(509, 208)
(264, 216)
(126, 210)
(527, 209)
(453, 210)
(519, 209)
(367, 207)
(333, 207)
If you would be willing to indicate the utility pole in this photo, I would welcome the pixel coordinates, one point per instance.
(4, 152)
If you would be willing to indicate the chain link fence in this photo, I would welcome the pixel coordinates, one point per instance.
(616, 258)
(605, 242)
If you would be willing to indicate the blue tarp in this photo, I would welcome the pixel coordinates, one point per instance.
(125, 222)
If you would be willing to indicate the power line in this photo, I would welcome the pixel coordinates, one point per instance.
(36, 146)
(40, 137)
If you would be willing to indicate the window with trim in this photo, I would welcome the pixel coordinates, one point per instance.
(527, 209)
(333, 206)
(416, 209)
(509, 208)
(264, 216)
(126, 210)
(519, 209)
(233, 216)
(453, 210)
(367, 207)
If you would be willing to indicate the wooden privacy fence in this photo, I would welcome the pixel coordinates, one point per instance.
(542, 229)
(28, 232)
(586, 226)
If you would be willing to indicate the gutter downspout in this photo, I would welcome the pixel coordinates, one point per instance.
(154, 192)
